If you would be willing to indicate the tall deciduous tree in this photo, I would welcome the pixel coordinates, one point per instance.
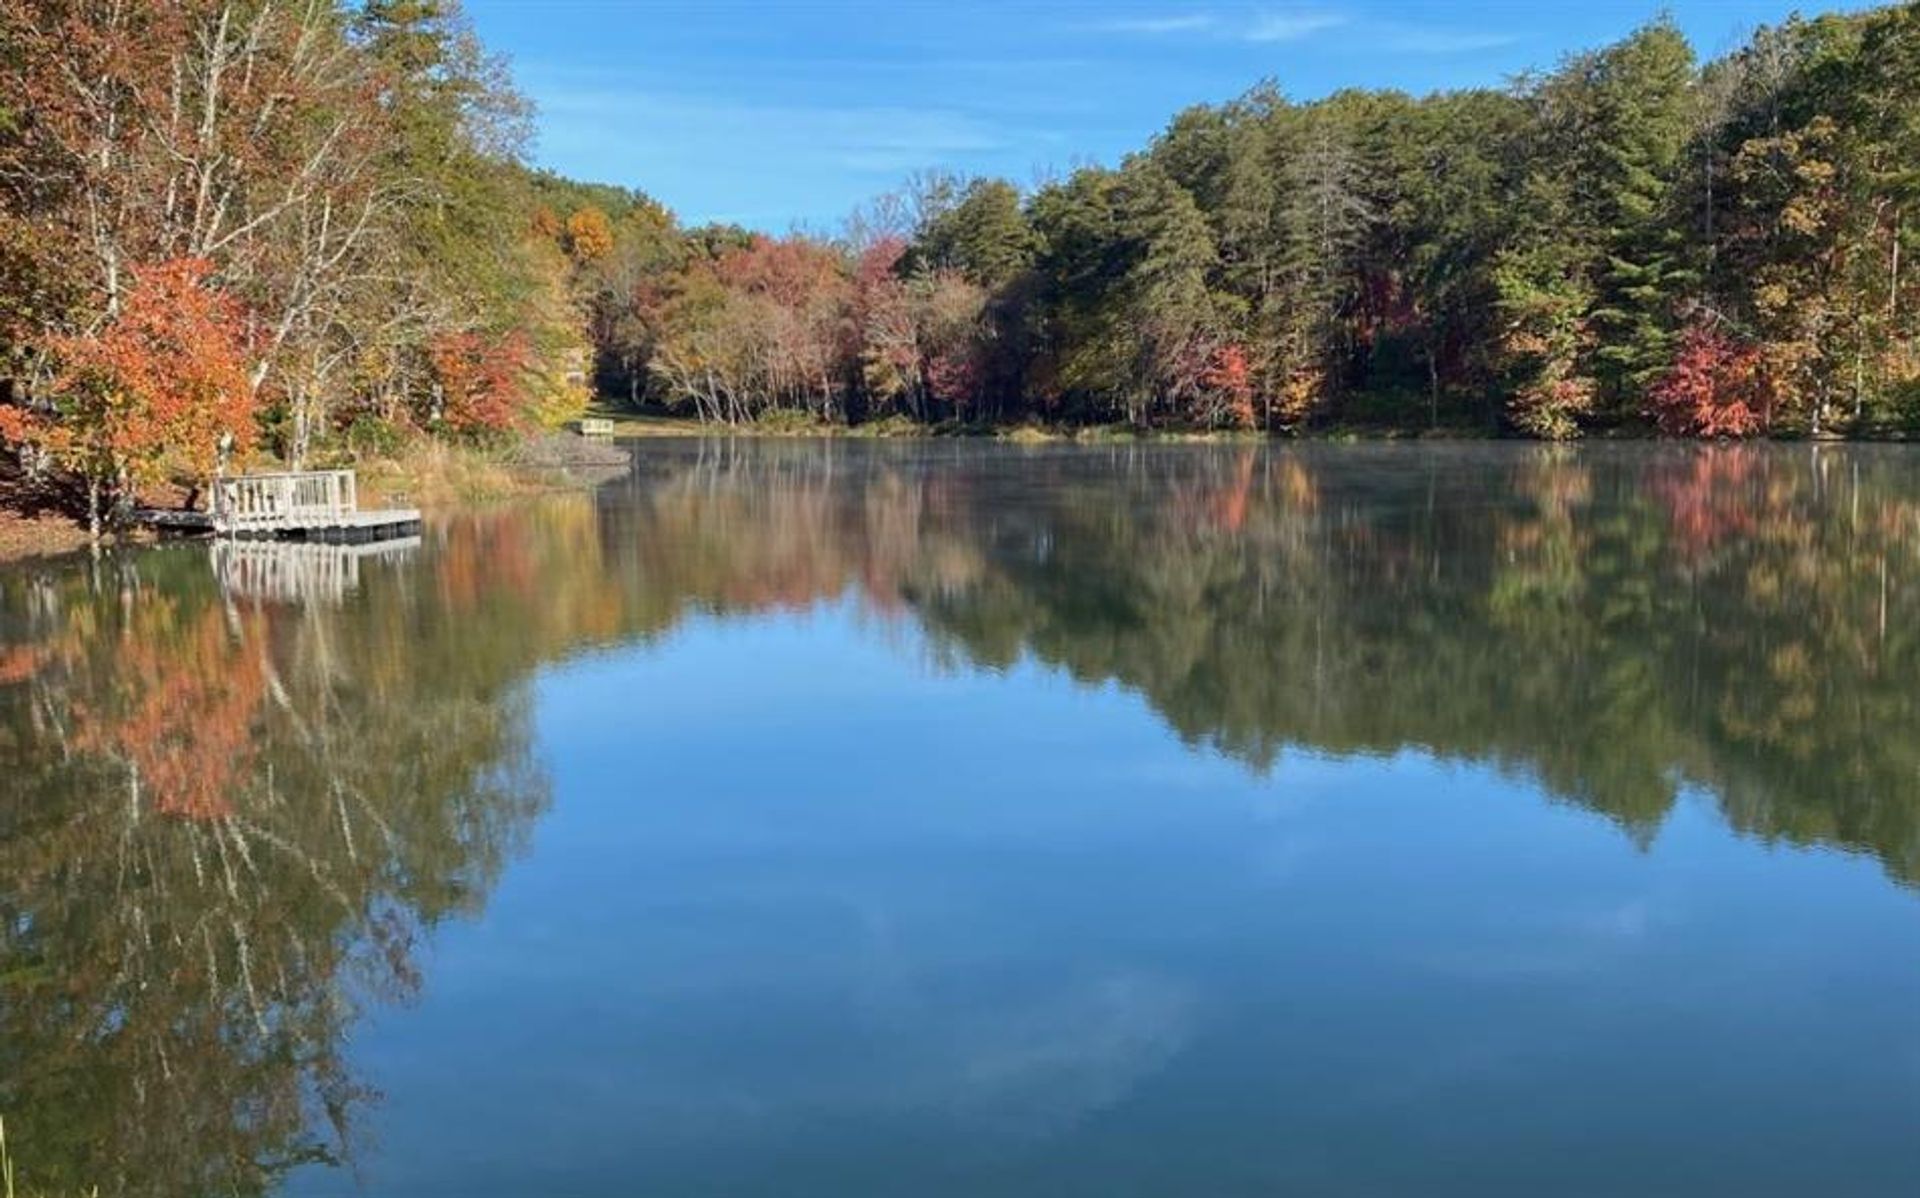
(164, 382)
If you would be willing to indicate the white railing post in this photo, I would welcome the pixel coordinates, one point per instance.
(291, 498)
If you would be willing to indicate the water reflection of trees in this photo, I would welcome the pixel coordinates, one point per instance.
(225, 826)
(231, 813)
(1616, 624)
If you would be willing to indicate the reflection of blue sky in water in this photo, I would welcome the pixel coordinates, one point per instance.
(809, 915)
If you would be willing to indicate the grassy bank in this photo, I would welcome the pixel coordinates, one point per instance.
(791, 423)
(433, 474)
(786, 422)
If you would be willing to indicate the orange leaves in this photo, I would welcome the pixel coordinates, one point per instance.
(166, 377)
(192, 693)
(1716, 387)
(1228, 376)
(1299, 393)
(481, 381)
(545, 224)
(589, 235)
(17, 425)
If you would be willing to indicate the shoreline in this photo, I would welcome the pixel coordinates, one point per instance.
(642, 426)
(432, 476)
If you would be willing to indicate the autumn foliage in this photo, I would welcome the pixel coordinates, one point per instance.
(1228, 377)
(589, 236)
(161, 384)
(1716, 387)
(192, 696)
(480, 382)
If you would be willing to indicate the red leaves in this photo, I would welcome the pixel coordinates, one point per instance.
(953, 375)
(166, 377)
(879, 263)
(1716, 387)
(794, 272)
(480, 381)
(1228, 376)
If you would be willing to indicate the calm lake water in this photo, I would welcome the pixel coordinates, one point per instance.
(792, 818)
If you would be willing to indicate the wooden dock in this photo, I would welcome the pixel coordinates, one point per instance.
(311, 505)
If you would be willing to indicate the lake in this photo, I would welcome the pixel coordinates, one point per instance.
(948, 818)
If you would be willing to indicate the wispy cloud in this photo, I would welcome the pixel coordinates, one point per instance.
(1289, 26)
(1260, 25)
(1420, 39)
(1269, 26)
(1192, 22)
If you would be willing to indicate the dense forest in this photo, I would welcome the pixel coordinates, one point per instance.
(308, 226)
(1632, 240)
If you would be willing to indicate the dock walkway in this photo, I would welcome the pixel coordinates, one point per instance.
(310, 505)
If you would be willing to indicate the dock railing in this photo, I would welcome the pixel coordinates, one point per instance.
(265, 501)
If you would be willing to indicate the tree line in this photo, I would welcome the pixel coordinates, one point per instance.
(1632, 240)
(308, 226)
(300, 224)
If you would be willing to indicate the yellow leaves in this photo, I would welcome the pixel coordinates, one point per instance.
(1550, 407)
(589, 235)
(1526, 343)
(1900, 362)
(1804, 215)
(1299, 392)
(1815, 172)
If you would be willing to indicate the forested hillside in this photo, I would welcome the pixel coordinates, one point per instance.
(306, 228)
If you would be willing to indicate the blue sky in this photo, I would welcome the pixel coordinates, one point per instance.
(776, 115)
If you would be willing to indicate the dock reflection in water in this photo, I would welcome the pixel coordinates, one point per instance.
(300, 571)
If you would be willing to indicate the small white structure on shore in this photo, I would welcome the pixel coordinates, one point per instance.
(307, 505)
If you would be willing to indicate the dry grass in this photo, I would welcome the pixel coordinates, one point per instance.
(431, 474)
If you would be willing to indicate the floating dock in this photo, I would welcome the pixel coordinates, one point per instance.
(309, 505)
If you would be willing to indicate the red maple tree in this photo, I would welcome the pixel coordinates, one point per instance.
(1716, 387)
(162, 384)
(1228, 376)
(480, 382)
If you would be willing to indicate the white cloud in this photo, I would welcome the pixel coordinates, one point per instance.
(1290, 26)
(1268, 26)
(1278, 25)
(1415, 39)
(1193, 22)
